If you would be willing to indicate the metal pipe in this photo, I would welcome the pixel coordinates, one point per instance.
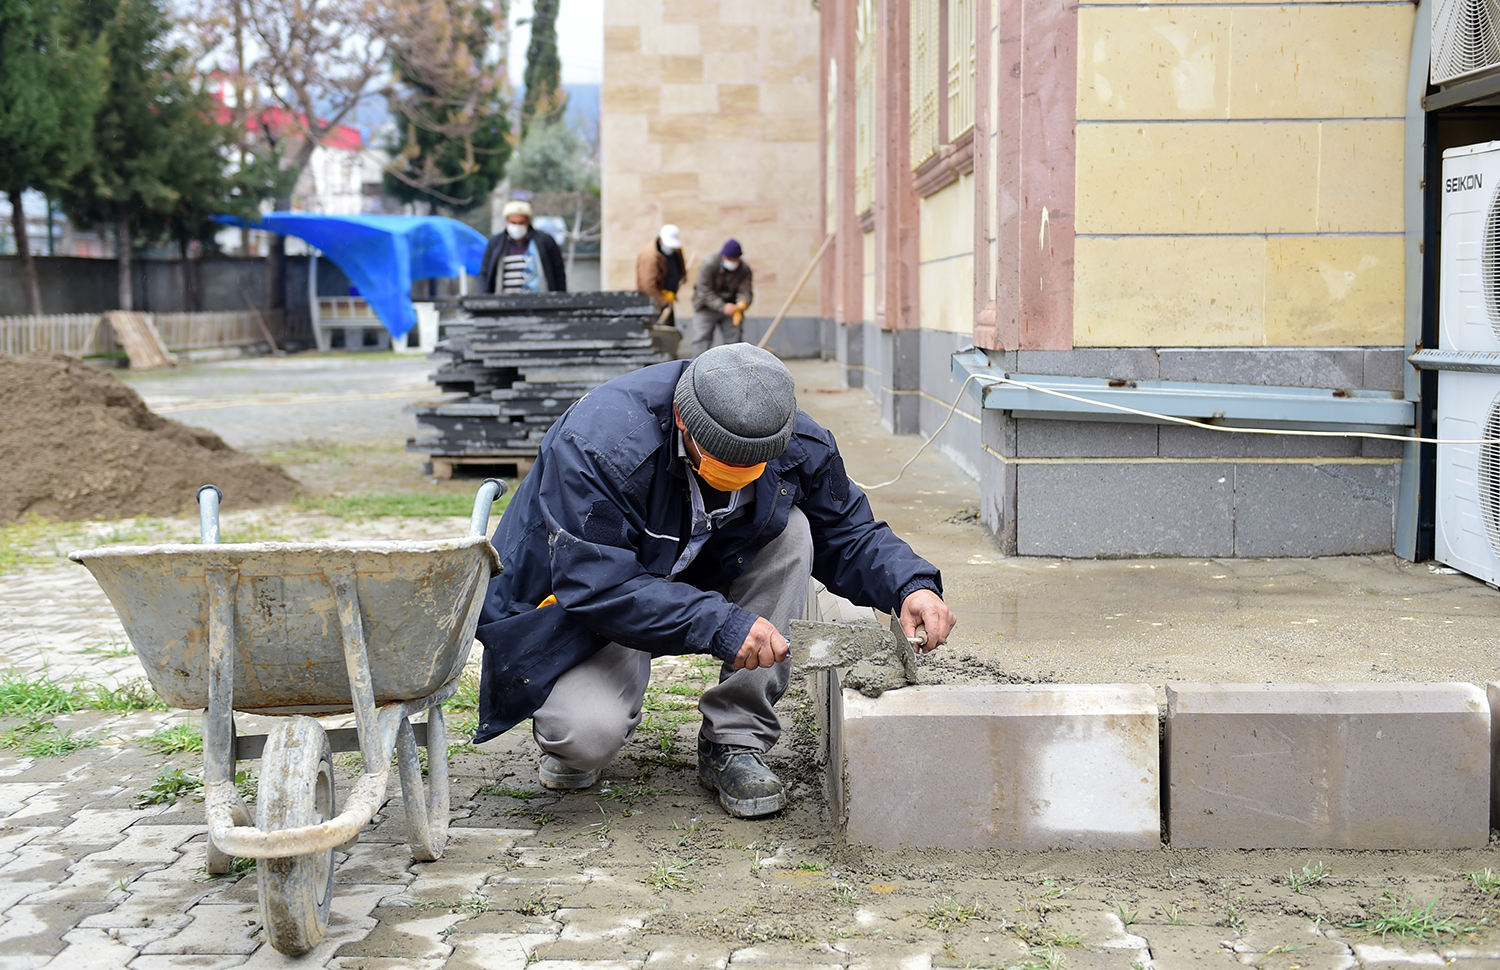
(489, 492)
(209, 498)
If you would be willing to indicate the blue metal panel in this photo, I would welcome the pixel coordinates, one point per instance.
(1227, 405)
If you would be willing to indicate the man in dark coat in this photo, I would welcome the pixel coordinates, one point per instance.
(680, 509)
(522, 259)
(720, 298)
(660, 271)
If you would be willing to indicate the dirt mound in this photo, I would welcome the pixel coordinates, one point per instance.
(76, 443)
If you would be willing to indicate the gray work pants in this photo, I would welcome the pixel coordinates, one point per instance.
(706, 323)
(595, 707)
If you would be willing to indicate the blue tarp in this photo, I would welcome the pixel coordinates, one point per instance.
(381, 255)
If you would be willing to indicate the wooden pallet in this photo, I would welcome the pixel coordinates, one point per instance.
(443, 465)
(137, 334)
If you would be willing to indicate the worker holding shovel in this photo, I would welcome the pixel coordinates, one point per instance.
(723, 293)
(660, 271)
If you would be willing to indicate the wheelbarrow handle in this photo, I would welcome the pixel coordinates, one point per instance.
(489, 492)
(209, 498)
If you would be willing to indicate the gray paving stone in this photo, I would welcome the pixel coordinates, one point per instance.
(15, 794)
(90, 881)
(589, 965)
(38, 863)
(1311, 766)
(375, 863)
(493, 951)
(1190, 947)
(215, 929)
(93, 948)
(1386, 956)
(386, 963)
(686, 953)
(146, 844)
(788, 956)
(186, 961)
(31, 931)
(408, 934)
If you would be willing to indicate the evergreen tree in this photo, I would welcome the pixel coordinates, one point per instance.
(48, 86)
(157, 151)
(545, 100)
(452, 135)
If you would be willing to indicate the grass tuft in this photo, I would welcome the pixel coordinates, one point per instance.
(1311, 875)
(669, 872)
(1412, 919)
(947, 913)
(175, 739)
(172, 784)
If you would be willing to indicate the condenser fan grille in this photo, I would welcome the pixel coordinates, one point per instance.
(1489, 477)
(1490, 265)
(1465, 38)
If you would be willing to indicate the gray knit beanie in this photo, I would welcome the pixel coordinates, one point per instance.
(739, 403)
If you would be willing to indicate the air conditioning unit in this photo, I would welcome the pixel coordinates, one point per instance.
(1469, 260)
(1465, 39)
(1468, 476)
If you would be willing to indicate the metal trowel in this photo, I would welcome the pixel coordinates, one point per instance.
(878, 660)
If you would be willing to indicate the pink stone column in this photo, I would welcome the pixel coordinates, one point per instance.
(1049, 98)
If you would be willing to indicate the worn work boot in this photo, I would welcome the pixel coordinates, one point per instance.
(747, 788)
(558, 776)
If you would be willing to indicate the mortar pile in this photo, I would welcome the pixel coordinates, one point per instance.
(76, 443)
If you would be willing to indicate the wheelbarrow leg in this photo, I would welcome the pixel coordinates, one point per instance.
(218, 719)
(426, 812)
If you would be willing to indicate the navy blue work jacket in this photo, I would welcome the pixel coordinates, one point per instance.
(604, 515)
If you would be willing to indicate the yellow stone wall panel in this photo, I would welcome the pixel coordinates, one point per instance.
(727, 38)
(661, 185)
(694, 99)
(627, 68)
(947, 295)
(1346, 60)
(622, 39)
(1153, 62)
(1360, 176)
(671, 40)
(738, 98)
(681, 69)
(683, 11)
(733, 68)
(1169, 291)
(947, 222)
(630, 98)
(1335, 291)
(735, 215)
(642, 13)
(867, 298)
(787, 127)
(801, 70)
(783, 98)
(684, 127)
(1204, 177)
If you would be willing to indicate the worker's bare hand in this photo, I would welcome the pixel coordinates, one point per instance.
(926, 609)
(763, 647)
(730, 309)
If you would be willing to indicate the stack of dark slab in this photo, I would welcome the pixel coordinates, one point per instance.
(514, 363)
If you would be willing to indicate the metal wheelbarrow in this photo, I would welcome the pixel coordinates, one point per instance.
(379, 628)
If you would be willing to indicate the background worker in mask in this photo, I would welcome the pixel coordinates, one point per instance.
(680, 509)
(522, 258)
(720, 299)
(660, 271)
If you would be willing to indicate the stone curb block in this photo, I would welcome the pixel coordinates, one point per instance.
(1327, 766)
(1000, 766)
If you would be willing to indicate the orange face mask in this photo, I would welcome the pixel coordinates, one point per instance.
(727, 478)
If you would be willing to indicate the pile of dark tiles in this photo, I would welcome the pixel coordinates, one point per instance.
(516, 362)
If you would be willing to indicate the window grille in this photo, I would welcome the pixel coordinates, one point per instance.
(924, 80)
(960, 67)
(864, 106)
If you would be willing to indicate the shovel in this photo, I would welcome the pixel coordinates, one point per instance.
(878, 660)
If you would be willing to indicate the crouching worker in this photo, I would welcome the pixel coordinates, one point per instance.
(679, 509)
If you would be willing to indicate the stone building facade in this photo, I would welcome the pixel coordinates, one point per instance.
(710, 120)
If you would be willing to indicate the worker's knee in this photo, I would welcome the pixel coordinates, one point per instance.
(586, 741)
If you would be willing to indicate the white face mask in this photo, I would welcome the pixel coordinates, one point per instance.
(517, 230)
(669, 250)
(730, 264)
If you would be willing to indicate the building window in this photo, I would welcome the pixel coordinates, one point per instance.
(864, 106)
(960, 67)
(925, 73)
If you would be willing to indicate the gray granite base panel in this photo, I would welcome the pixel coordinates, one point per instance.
(1114, 510)
(795, 337)
(851, 353)
(1043, 438)
(1314, 510)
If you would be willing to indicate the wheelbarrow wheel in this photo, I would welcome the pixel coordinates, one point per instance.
(296, 789)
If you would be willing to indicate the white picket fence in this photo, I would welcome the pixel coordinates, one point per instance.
(87, 334)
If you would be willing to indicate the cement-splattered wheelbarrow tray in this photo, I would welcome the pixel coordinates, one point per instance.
(379, 628)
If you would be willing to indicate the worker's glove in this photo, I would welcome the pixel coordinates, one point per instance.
(669, 295)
